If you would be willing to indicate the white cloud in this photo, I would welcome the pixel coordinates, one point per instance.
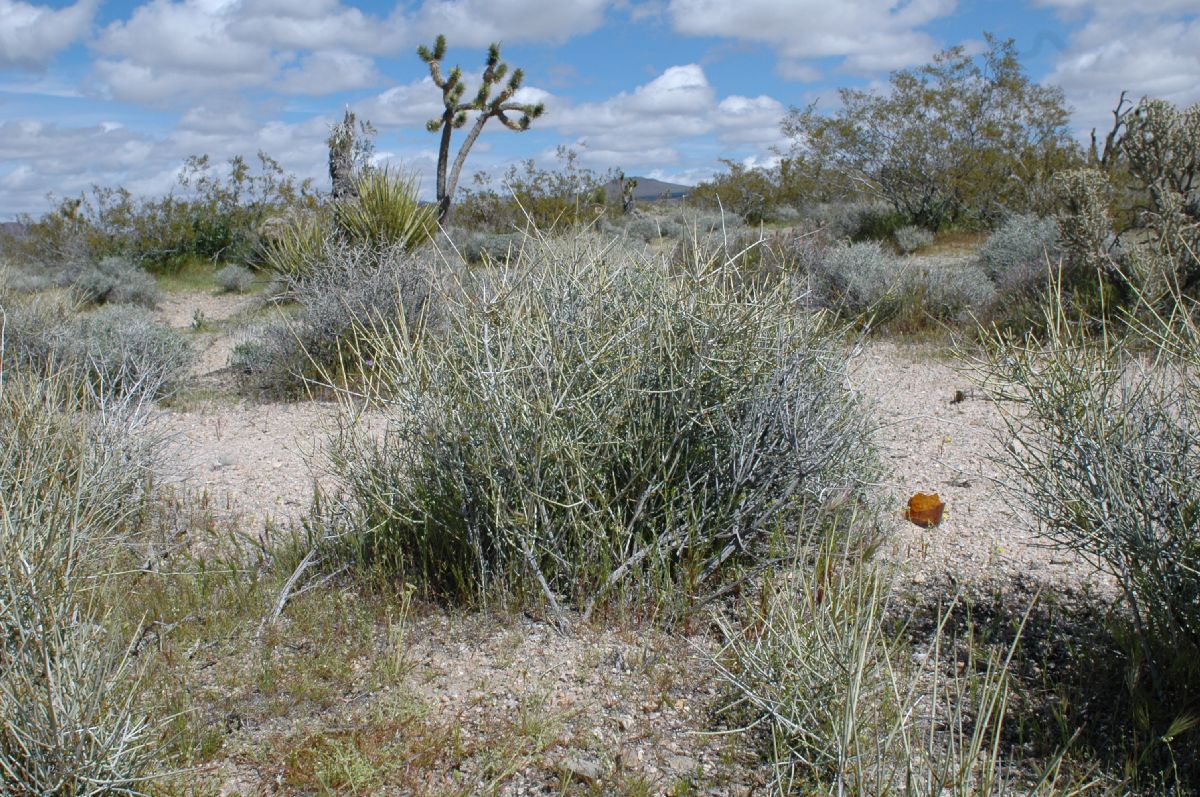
(174, 52)
(870, 35)
(473, 23)
(1149, 49)
(651, 124)
(31, 35)
(329, 72)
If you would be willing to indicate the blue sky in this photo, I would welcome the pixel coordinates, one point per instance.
(120, 93)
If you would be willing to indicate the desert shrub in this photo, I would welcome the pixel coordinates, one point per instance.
(473, 246)
(858, 221)
(909, 239)
(315, 339)
(1016, 256)
(861, 277)
(115, 280)
(234, 278)
(115, 351)
(649, 229)
(591, 429)
(953, 292)
(866, 280)
(71, 471)
(1104, 446)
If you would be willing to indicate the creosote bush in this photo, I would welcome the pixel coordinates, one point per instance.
(589, 429)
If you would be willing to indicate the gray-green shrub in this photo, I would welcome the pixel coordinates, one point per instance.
(311, 342)
(909, 239)
(116, 351)
(71, 472)
(590, 428)
(1016, 256)
(1103, 448)
(234, 278)
(115, 280)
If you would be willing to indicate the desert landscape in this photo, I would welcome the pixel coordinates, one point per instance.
(872, 472)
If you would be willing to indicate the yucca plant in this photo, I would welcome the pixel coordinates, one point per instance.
(386, 212)
(295, 251)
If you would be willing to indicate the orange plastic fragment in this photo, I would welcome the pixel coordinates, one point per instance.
(925, 509)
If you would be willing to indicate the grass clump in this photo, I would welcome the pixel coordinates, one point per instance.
(590, 429)
(856, 700)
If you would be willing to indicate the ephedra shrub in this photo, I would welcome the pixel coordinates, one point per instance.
(591, 428)
(1103, 448)
(71, 473)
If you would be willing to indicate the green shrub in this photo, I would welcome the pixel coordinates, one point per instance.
(115, 280)
(909, 239)
(593, 430)
(234, 278)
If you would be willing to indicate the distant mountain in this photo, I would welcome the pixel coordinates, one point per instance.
(14, 228)
(648, 188)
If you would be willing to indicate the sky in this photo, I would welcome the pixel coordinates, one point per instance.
(97, 92)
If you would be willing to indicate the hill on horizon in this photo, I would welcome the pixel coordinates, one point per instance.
(648, 189)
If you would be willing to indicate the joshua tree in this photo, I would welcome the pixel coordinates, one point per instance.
(483, 104)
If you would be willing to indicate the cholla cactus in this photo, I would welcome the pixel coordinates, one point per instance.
(1162, 148)
(483, 104)
(1084, 224)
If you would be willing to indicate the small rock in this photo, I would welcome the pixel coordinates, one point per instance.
(583, 769)
(682, 764)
